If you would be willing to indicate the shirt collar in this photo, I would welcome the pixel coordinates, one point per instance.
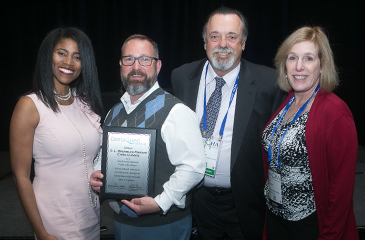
(126, 98)
(229, 78)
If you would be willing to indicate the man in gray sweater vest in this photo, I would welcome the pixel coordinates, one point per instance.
(179, 158)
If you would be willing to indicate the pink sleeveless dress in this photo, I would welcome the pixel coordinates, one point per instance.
(60, 183)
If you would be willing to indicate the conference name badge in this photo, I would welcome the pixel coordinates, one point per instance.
(211, 150)
(275, 189)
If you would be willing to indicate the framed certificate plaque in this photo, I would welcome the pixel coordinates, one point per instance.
(128, 162)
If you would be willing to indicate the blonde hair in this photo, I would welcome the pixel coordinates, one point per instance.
(329, 76)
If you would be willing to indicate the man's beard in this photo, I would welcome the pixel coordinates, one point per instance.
(222, 64)
(138, 87)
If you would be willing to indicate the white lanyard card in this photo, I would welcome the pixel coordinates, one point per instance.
(211, 150)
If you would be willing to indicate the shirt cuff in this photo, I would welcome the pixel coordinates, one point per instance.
(163, 202)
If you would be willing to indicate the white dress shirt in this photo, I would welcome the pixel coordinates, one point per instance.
(184, 146)
(223, 168)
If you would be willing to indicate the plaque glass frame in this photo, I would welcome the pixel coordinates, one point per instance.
(128, 162)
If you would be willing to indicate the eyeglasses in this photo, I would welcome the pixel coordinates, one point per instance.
(143, 60)
(216, 37)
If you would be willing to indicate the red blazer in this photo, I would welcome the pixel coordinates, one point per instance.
(331, 140)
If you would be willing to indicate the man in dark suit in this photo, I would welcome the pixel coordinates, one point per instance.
(231, 202)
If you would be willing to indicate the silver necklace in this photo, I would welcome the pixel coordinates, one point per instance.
(94, 204)
(63, 97)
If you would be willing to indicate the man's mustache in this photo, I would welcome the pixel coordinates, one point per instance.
(136, 72)
(222, 50)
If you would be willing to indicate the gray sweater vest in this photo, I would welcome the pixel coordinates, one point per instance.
(151, 113)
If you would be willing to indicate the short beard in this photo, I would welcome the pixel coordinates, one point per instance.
(140, 87)
(220, 63)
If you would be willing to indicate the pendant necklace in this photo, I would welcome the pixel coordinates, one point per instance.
(94, 204)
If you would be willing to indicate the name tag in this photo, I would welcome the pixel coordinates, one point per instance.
(211, 150)
(275, 189)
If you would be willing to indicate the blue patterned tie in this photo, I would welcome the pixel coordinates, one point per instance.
(213, 106)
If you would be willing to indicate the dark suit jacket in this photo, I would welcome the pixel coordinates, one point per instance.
(257, 99)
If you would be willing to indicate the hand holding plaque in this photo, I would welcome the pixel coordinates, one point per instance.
(128, 162)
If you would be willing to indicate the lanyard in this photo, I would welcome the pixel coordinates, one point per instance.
(223, 125)
(300, 111)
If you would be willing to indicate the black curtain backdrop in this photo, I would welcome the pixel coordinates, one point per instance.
(176, 27)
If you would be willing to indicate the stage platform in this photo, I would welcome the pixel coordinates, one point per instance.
(14, 224)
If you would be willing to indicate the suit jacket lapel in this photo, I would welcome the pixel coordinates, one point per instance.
(244, 104)
(193, 85)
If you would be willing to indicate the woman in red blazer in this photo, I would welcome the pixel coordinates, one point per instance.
(310, 146)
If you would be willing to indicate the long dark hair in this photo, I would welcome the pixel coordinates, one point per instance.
(86, 85)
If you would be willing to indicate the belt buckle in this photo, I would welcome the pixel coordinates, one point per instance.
(218, 192)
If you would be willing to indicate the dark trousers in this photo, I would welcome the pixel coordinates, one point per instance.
(215, 214)
(178, 230)
(279, 228)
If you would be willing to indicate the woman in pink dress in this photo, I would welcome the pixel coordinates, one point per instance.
(58, 125)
